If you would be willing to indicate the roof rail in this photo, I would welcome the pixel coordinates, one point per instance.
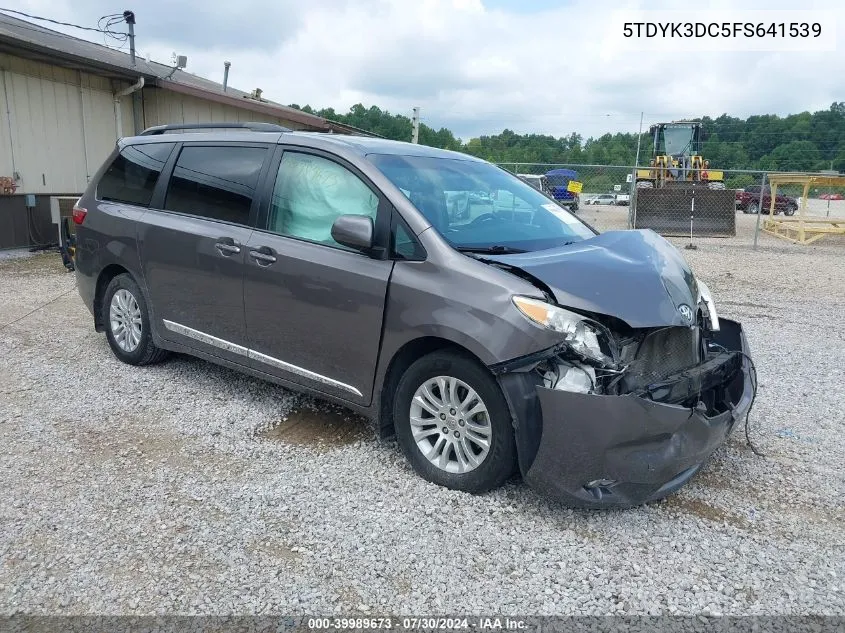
(205, 127)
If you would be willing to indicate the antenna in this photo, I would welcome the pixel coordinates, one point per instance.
(179, 62)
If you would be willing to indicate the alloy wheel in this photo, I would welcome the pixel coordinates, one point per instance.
(125, 320)
(450, 424)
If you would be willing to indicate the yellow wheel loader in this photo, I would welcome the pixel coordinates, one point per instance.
(679, 194)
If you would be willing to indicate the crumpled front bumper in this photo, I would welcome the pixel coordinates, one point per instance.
(600, 451)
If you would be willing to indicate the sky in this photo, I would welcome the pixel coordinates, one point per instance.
(480, 66)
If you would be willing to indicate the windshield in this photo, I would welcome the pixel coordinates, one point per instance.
(678, 140)
(534, 181)
(475, 205)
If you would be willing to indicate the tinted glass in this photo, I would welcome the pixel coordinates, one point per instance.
(132, 176)
(217, 183)
(474, 204)
(311, 192)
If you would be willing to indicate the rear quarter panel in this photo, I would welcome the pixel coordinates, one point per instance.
(107, 236)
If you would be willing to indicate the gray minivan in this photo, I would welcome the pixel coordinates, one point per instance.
(514, 336)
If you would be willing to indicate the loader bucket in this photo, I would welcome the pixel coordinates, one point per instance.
(668, 211)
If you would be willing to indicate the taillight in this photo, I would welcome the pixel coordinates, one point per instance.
(79, 215)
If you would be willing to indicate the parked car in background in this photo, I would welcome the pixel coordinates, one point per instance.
(831, 196)
(594, 363)
(623, 199)
(480, 197)
(748, 201)
(602, 198)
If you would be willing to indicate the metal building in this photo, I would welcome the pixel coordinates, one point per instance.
(65, 101)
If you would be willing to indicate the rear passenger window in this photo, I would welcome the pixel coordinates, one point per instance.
(132, 176)
(217, 183)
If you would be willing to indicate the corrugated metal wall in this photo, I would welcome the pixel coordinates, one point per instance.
(57, 125)
(163, 106)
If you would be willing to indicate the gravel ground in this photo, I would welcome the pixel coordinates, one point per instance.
(188, 488)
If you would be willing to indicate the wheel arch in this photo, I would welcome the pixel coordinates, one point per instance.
(103, 280)
(403, 358)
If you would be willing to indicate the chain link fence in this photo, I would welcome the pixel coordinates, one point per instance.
(695, 204)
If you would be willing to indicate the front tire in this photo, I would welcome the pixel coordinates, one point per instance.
(453, 423)
(753, 208)
(127, 322)
(790, 210)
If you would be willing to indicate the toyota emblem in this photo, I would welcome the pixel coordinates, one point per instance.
(686, 312)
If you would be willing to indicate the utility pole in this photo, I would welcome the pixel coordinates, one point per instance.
(632, 208)
(415, 122)
(137, 101)
(639, 138)
(129, 16)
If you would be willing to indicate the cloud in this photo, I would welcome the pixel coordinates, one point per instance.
(244, 25)
(478, 66)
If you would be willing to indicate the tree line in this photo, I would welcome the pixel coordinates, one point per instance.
(797, 142)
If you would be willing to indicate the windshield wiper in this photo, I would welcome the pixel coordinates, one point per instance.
(497, 249)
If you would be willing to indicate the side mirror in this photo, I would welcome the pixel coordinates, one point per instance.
(354, 231)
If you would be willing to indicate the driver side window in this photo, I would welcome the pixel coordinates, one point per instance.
(311, 192)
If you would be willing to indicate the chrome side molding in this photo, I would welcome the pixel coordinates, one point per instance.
(202, 337)
(252, 354)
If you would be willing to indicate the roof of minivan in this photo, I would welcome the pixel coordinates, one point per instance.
(369, 145)
(362, 145)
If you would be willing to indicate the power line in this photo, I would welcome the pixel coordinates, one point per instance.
(36, 17)
(70, 37)
(111, 20)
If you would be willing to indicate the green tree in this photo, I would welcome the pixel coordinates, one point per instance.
(794, 156)
(804, 141)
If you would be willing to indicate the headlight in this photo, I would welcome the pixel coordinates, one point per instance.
(578, 332)
(707, 298)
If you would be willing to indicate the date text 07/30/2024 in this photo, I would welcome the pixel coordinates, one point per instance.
(418, 623)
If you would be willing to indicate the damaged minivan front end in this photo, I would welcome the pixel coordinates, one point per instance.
(635, 397)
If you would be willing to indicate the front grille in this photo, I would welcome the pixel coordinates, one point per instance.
(663, 353)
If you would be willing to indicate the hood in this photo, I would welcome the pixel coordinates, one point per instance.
(636, 276)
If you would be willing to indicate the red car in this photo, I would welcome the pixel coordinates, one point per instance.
(749, 201)
(831, 196)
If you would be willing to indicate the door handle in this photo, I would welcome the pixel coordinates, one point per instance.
(227, 246)
(263, 258)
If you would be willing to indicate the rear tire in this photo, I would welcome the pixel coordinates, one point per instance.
(753, 208)
(790, 210)
(439, 433)
(127, 322)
